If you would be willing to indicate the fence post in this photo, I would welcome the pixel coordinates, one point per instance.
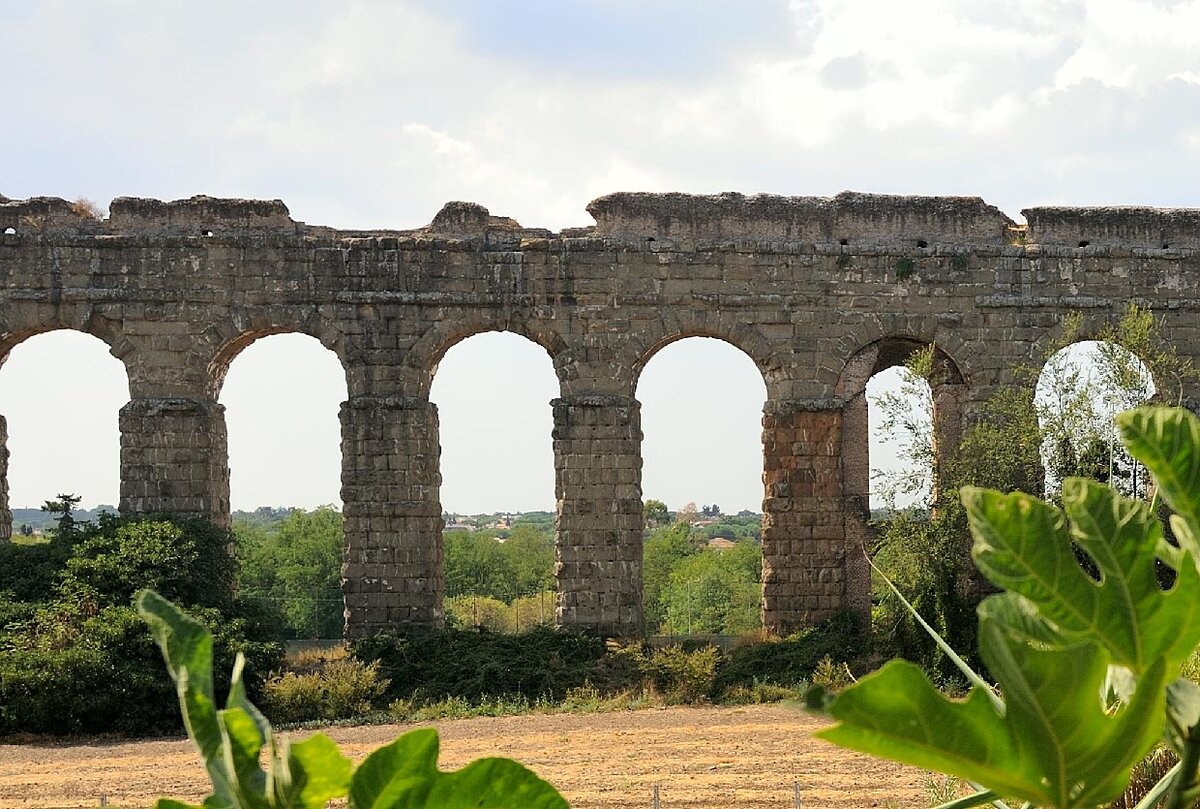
(656, 806)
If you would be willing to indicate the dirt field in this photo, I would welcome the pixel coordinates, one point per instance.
(701, 757)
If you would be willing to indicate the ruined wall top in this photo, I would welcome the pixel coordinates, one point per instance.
(849, 218)
(673, 220)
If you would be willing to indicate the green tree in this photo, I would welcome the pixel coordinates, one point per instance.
(715, 591)
(662, 552)
(475, 563)
(297, 569)
(64, 507)
(529, 554)
(655, 514)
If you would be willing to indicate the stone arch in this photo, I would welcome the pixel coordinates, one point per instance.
(97, 329)
(888, 352)
(739, 334)
(26, 323)
(224, 341)
(428, 351)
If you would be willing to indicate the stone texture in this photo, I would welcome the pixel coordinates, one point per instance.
(392, 568)
(598, 483)
(820, 293)
(174, 458)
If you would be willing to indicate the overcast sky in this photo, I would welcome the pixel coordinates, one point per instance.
(373, 114)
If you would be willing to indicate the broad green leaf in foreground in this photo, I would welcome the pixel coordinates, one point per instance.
(1055, 745)
(404, 775)
(1025, 546)
(1167, 441)
(307, 775)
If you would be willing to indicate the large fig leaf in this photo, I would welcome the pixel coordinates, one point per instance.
(1025, 546)
(305, 776)
(1054, 745)
(1167, 441)
(404, 775)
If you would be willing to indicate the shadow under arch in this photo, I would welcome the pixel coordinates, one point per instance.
(65, 402)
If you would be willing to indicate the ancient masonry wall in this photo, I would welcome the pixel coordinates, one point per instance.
(820, 293)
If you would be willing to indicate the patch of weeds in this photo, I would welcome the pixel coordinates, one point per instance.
(832, 676)
(844, 261)
(959, 263)
(905, 268)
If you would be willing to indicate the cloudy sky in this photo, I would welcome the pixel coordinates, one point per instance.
(373, 114)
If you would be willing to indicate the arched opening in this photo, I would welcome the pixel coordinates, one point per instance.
(1079, 392)
(281, 396)
(901, 421)
(61, 393)
(702, 478)
(900, 446)
(493, 393)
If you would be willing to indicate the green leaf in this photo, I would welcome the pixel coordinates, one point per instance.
(187, 649)
(1183, 714)
(240, 748)
(1055, 745)
(1167, 441)
(1024, 545)
(318, 772)
(404, 775)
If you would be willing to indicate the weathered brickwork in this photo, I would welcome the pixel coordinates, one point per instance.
(820, 293)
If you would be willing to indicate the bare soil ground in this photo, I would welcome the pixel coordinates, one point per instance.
(745, 757)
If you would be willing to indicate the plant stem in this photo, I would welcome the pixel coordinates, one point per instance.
(1186, 779)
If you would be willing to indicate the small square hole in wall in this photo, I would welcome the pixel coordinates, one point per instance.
(921, 243)
(1084, 243)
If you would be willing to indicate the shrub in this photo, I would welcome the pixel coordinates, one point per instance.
(481, 612)
(792, 661)
(342, 689)
(475, 664)
(80, 661)
(684, 676)
(31, 572)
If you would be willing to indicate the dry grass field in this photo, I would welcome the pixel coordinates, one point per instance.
(705, 758)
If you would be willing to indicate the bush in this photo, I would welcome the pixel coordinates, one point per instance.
(793, 660)
(67, 674)
(80, 661)
(682, 676)
(31, 572)
(476, 664)
(341, 689)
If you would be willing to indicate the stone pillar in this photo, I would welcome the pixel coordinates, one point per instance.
(856, 503)
(175, 458)
(598, 537)
(810, 564)
(392, 563)
(949, 401)
(5, 512)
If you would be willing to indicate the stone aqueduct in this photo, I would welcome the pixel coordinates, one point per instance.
(820, 292)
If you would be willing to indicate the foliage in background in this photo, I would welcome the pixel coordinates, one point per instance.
(309, 774)
(339, 689)
(78, 660)
(1011, 442)
(294, 567)
(1088, 665)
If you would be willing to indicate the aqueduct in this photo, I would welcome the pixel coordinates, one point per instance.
(820, 292)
